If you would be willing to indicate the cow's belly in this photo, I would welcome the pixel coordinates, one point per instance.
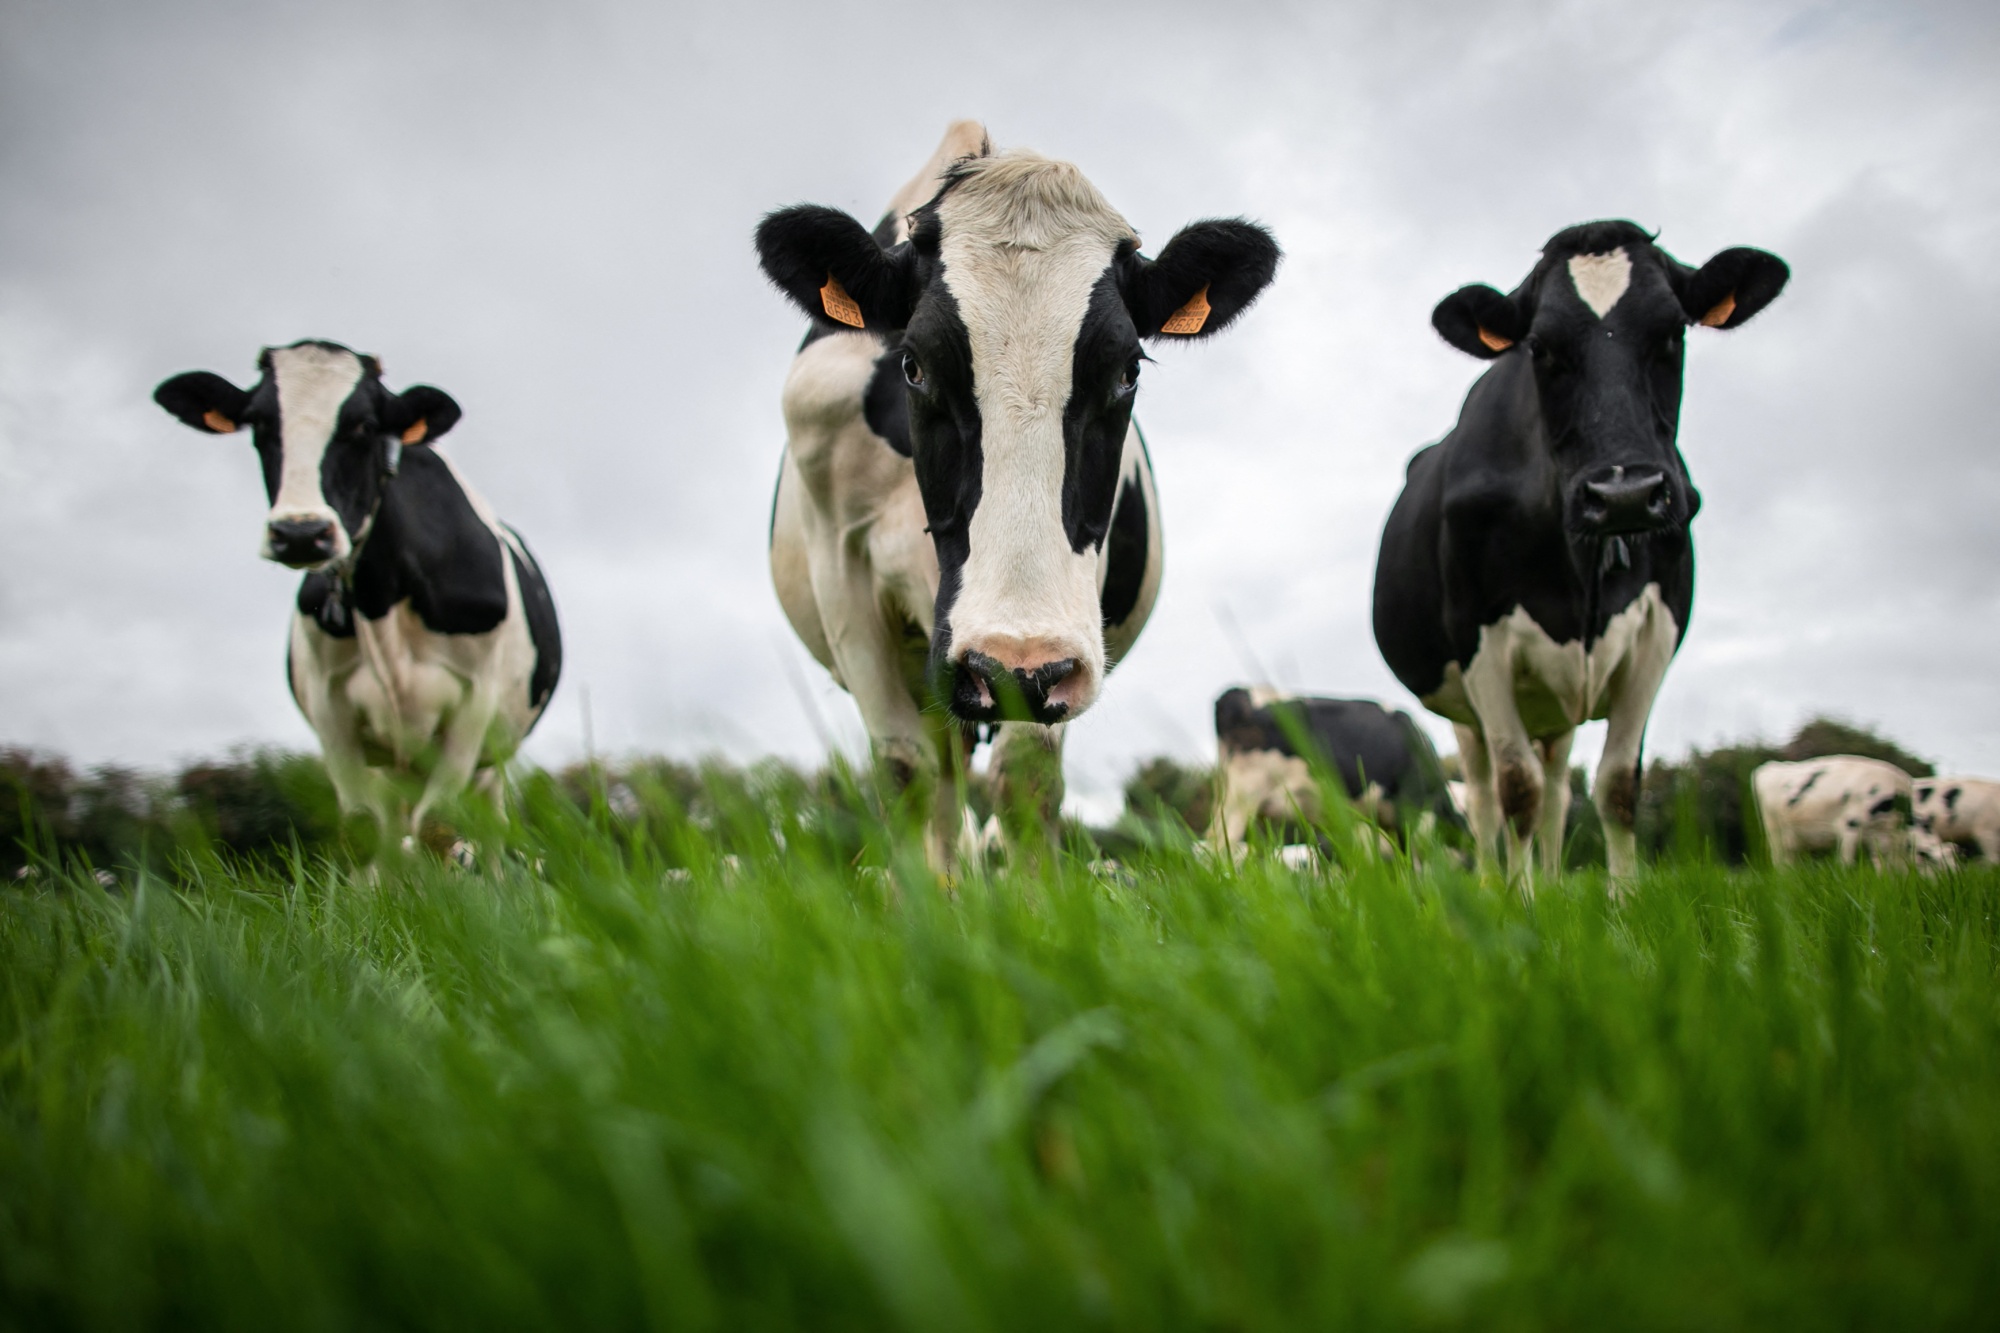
(1557, 686)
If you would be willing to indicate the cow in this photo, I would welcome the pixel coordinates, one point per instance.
(424, 639)
(1266, 743)
(1963, 812)
(1837, 803)
(966, 531)
(1537, 570)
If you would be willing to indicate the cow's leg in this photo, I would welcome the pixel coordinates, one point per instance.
(1482, 803)
(944, 828)
(1987, 837)
(1027, 783)
(1516, 766)
(459, 752)
(1847, 844)
(491, 782)
(1616, 790)
(1555, 801)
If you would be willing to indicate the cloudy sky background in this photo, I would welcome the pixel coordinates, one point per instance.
(546, 211)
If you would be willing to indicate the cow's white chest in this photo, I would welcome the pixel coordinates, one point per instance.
(1555, 686)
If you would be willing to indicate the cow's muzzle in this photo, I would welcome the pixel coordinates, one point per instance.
(301, 543)
(984, 689)
(1624, 499)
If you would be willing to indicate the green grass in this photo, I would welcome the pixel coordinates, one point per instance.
(610, 1080)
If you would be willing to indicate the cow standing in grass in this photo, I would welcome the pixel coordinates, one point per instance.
(1537, 571)
(965, 529)
(1964, 812)
(1839, 803)
(424, 640)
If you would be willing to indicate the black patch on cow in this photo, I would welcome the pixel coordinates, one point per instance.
(1104, 378)
(1800, 794)
(1951, 799)
(944, 414)
(1358, 739)
(1564, 446)
(886, 404)
(1125, 554)
(543, 631)
(429, 546)
(323, 599)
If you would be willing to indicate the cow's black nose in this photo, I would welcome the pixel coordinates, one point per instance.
(301, 541)
(985, 690)
(1626, 499)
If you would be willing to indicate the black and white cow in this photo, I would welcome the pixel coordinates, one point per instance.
(1840, 803)
(1537, 571)
(1964, 812)
(1265, 742)
(965, 511)
(425, 639)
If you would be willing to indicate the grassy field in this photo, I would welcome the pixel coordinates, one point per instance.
(741, 1064)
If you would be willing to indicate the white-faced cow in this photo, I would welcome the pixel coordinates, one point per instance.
(1839, 803)
(1265, 743)
(965, 513)
(424, 640)
(1537, 571)
(1964, 812)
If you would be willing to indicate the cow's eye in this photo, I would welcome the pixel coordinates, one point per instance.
(913, 374)
(1128, 379)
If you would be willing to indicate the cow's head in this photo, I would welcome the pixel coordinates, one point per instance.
(1015, 311)
(329, 433)
(1599, 323)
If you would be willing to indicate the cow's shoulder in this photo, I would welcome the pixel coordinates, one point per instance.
(433, 547)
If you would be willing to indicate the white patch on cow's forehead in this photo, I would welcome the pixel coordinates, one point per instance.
(312, 384)
(1601, 279)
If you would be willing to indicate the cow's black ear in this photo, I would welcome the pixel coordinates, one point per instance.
(1480, 321)
(834, 271)
(204, 400)
(1733, 286)
(422, 413)
(1207, 275)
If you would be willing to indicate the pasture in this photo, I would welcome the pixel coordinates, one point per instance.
(726, 1056)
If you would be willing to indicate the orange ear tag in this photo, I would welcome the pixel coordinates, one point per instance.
(1190, 317)
(839, 305)
(1720, 312)
(1495, 341)
(217, 422)
(415, 434)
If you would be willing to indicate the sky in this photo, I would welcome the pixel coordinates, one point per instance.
(547, 210)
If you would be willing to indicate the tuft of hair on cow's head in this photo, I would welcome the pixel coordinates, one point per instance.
(328, 432)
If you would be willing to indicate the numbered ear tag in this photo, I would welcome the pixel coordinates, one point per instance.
(1719, 313)
(1495, 341)
(1190, 317)
(839, 305)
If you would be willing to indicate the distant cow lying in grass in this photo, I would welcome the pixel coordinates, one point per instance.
(424, 639)
(1964, 812)
(1840, 803)
(1265, 741)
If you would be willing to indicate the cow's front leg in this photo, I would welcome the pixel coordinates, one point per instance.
(1482, 804)
(1616, 790)
(1026, 779)
(459, 751)
(1516, 765)
(1555, 802)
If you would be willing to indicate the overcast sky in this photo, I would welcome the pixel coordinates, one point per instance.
(546, 210)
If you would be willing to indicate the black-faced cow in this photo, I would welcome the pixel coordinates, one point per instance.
(424, 638)
(1537, 571)
(965, 511)
(1839, 803)
(1964, 812)
(1265, 742)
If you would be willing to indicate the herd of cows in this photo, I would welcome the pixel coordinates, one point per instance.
(966, 531)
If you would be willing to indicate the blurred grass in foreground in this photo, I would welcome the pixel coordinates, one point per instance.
(721, 1055)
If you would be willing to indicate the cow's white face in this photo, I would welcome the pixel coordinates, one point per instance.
(1015, 312)
(328, 433)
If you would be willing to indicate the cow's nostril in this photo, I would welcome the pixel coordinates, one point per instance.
(305, 541)
(987, 690)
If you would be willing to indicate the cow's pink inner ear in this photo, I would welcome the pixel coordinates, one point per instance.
(1719, 313)
(415, 434)
(1190, 317)
(1494, 340)
(218, 423)
(838, 304)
